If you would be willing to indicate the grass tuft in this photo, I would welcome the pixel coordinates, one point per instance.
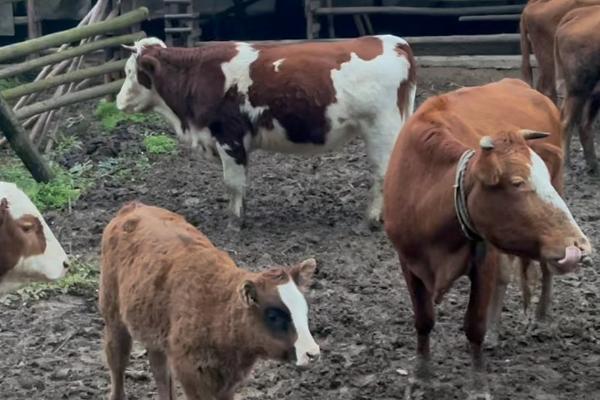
(160, 144)
(110, 116)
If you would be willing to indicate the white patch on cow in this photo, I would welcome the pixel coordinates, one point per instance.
(305, 345)
(277, 63)
(542, 185)
(51, 263)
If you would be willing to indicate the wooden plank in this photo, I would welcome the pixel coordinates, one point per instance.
(69, 53)
(430, 11)
(70, 35)
(71, 98)
(21, 144)
(7, 25)
(73, 76)
(497, 17)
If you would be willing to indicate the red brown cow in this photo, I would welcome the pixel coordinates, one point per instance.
(578, 70)
(539, 21)
(231, 98)
(29, 250)
(467, 181)
(164, 284)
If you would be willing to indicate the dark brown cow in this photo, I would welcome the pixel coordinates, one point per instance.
(539, 21)
(29, 250)
(231, 98)
(164, 284)
(578, 70)
(463, 182)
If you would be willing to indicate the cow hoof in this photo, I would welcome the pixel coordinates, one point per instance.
(492, 339)
(423, 371)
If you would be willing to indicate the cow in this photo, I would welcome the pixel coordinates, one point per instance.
(538, 24)
(29, 251)
(163, 283)
(230, 98)
(577, 49)
(469, 180)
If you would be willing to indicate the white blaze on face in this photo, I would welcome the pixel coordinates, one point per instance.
(133, 96)
(542, 185)
(50, 264)
(306, 347)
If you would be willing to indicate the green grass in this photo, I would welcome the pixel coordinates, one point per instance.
(110, 116)
(9, 83)
(82, 279)
(64, 189)
(160, 144)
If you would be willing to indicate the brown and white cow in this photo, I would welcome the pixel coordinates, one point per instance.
(577, 49)
(163, 283)
(230, 98)
(539, 21)
(29, 250)
(467, 181)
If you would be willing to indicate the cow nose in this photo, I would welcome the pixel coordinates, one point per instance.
(66, 265)
(313, 356)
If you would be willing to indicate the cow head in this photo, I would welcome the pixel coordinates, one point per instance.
(29, 250)
(280, 313)
(515, 206)
(138, 94)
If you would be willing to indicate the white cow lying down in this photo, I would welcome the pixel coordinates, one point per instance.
(29, 251)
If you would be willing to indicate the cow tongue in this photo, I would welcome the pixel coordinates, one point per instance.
(572, 256)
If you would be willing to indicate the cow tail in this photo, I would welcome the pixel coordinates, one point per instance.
(559, 76)
(525, 53)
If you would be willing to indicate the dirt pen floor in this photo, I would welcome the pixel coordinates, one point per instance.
(360, 311)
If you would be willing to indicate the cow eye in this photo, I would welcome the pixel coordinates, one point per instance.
(277, 319)
(517, 182)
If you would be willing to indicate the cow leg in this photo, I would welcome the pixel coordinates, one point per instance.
(542, 313)
(234, 162)
(380, 141)
(495, 313)
(195, 384)
(117, 346)
(571, 114)
(424, 319)
(587, 136)
(162, 376)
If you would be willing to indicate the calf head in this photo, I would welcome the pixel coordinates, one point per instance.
(279, 312)
(515, 206)
(138, 94)
(26, 253)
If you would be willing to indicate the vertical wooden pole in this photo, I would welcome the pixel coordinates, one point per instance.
(21, 144)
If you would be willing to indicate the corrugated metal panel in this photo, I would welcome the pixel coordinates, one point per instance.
(62, 9)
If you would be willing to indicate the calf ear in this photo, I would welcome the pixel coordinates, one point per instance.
(149, 65)
(303, 273)
(3, 210)
(248, 293)
(487, 168)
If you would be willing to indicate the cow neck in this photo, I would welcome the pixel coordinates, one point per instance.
(460, 198)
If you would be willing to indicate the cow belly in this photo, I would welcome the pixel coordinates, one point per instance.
(277, 139)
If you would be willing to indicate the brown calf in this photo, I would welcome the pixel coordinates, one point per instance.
(455, 198)
(577, 48)
(164, 284)
(539, 21)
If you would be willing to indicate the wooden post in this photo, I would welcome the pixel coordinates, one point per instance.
(21, 144)
(33, 25)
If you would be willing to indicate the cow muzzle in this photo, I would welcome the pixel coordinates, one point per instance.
(306, 356)
(574, 255)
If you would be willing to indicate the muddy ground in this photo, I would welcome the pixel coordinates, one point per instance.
(361, 314)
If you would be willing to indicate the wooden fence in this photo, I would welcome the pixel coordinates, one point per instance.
(61, 70)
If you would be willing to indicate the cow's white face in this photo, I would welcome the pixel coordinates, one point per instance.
(133, 96)
(51, 262)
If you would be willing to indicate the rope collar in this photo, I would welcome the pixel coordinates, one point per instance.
(460, 198)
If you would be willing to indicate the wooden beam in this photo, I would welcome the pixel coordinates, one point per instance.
(71, 98)
(69, 53)
(71, 35)
(431, 11)
(73, 76)
(21, 144)
(496, 17)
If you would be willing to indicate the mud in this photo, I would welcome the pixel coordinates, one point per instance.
(301, 207)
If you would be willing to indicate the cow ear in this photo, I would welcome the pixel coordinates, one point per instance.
(248, 293)
(528, 134)
(129, 48)
(487, 167)
(303, 273)
(3, 210)
(149, 65)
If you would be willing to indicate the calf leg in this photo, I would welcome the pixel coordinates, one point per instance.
(495, 313)
(586, 135)
(571, 114)
(234, 162)
(424, 318)
(117, 346)
(195, 383)
(162, 375)
(380, 142)
(543, 308)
